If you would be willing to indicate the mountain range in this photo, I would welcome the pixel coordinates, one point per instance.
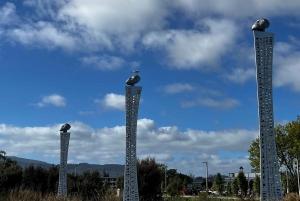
(114, 170)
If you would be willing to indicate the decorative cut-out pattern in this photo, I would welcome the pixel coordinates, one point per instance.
(133, 95)
(64, 146)
(271, 188)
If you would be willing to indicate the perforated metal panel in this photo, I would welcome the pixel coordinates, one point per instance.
(133, 95)
(271, 188)
(64, 146)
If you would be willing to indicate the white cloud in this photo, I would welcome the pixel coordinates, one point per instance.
(104, 62)
(8, 14)
(112, 101)
(241, 75)
(224, 104)
(85, 112)
(53, 99)
(89, 24)
(177, 88)
(175, 148)
(43, 34)
(229, 8)
(287, 64)
(201, 48)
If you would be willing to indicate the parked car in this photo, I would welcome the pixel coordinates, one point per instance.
(184, 192)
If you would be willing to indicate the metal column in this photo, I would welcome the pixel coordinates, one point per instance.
(270, 186)
(64, 146)
(133, 94)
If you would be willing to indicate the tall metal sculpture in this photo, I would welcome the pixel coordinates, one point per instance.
(132, 99)
(64, 145)
(270, 183)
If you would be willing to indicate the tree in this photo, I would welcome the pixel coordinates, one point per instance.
(2, 155)
(184, 183)
(218, 183)
(235, 186)
(10, 175)
(242, 182)
(149, 179)
(256, 185)
(89, 184)
(174, 187)
(35, 179)
(288, 149)
(53, 177)
(105, 186)
(228, 188)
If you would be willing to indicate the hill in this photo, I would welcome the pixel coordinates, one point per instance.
(114, 170)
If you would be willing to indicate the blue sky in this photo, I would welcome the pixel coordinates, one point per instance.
(67, 61)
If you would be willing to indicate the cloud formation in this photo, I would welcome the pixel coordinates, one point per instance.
(53, 99)
(178, 149)
(225, 104)
(112, 101)
(177, 88)
(198, 48)
(104, 62)
(287, 64)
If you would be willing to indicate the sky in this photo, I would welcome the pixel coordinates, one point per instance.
(66, 61)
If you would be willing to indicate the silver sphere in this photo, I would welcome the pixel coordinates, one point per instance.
(260, 25)
(65, 128)
(133, 80)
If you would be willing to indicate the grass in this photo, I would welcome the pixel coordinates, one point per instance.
(24, 195)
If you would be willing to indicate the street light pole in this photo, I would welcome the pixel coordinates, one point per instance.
(206, 177)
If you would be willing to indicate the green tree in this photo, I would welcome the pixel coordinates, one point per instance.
(89, 184)
(10, 175)
(149, 179)
(288, 149)
(235, 186)
(184, 185)
(228, 188)
(218, 183)
(105, 186)
(2, 155)
(242, 182)
(35, 179)
(53, 177)
(174, 187)
(256, 185)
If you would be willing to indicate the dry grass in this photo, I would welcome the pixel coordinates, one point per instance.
(292, 197)
(28, 195)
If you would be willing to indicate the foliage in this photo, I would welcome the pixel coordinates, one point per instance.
(254, 154)
(149, 179)
(242, 182)
(228, 188)
(10, 174)
(235, 186)
(89, 184)
(288, 149)
(52, 180)
(256, 185)
(184, 185)
(19, 194)
(35, 179)
(105, 186)
(174, 187)
(218, 183)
